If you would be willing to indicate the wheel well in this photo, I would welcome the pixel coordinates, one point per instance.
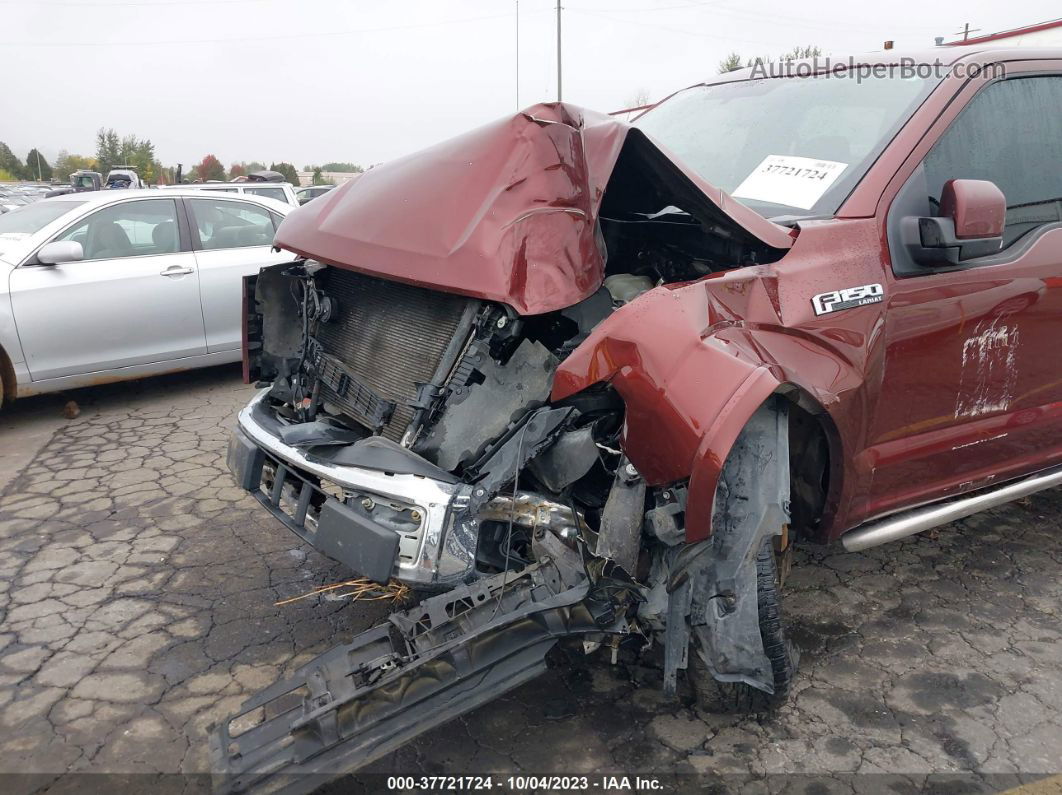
(8, 381)
(812, 464)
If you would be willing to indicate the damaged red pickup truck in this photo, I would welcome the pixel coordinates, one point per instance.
(555, 380)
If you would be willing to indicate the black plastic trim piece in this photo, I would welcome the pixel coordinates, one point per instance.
(356, 541)
(341, 533)
(361, 701)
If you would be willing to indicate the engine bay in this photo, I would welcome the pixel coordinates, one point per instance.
(410, 432)
(371, 372)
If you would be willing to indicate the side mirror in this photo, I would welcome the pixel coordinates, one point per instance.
(973, 213)
(60, 251)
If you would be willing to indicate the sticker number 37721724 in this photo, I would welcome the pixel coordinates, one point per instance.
(790, 180)
(848, 298)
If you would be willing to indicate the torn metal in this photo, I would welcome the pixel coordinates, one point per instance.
(460, 436)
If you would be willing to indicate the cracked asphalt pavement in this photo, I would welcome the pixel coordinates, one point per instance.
(137, 590)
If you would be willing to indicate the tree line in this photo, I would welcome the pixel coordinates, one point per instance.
(12, 168)
(115, 151)
(734, 61)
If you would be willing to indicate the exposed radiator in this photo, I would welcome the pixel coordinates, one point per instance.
(390, 336)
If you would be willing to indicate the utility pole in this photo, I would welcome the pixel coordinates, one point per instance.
(966, 31)
(558, 51)
(518, 54)
(39, 178)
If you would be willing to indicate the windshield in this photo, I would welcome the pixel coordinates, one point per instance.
(785, 146)
(33, 217)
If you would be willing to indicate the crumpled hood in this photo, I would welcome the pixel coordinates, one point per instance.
(505, 212)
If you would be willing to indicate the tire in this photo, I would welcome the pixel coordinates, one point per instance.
(5, 385)
(731, 697)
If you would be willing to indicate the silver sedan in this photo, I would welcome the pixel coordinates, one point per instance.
(110, 285)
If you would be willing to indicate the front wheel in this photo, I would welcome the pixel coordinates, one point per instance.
(730, 697)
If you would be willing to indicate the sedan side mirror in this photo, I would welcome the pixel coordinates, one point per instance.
(973, 213)
(60, 251)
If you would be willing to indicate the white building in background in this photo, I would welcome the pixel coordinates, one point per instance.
(1042, 34)
(338, 177)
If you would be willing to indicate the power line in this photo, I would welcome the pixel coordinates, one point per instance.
(643, 9)
(743, 14)
(966, 31)
(114, 3)
(683, 31)
(245, 39)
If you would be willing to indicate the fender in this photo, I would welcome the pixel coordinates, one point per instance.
(691, 373)
(716, 445)
(688, 390)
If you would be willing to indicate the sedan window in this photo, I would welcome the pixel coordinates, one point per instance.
(130, 229)
(231, 224)
(269, 193)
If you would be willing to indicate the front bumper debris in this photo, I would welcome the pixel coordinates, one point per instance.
(334, 507)
(424, 666)
(382, 524)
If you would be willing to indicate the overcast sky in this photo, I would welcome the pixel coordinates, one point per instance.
(308, 81)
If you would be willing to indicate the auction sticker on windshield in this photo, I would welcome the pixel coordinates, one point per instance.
(790, 180)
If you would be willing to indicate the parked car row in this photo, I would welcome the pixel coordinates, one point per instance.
(84, 181)
(281, 191)
(311, 192)
(12, 195)
(277, 191)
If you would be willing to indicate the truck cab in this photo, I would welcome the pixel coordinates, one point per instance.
(568, 376)
(83, 180)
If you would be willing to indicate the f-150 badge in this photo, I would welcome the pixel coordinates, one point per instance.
(837, 300)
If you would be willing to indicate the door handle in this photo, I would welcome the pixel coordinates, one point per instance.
(176, 270)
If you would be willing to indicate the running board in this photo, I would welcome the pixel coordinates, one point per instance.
(917, 520)
(424, 666)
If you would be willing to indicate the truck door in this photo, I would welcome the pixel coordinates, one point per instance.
(972, 389)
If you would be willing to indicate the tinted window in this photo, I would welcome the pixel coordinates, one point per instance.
(130, 229)
(1010, 134)
(269, 193)
(33, 217)
(231, 224)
